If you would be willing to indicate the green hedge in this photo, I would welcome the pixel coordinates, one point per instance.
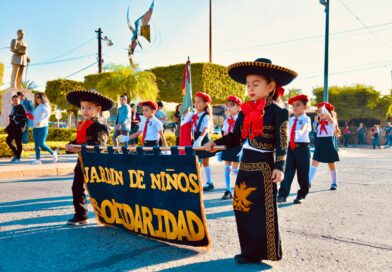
(206, 77)
(5, 151)
(54, 134)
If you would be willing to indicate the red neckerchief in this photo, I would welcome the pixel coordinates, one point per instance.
(81, 133)
(253, 122)
(323, 124)
(194, 121)
(231, 123)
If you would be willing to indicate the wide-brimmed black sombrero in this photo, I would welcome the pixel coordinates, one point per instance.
(75, 96)
(281, 75)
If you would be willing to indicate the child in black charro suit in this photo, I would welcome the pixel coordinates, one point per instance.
(91, 132)
(261, 127)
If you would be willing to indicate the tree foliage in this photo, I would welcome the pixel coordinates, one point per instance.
(57, 89)
(206, 77)
(357, 101)
(124, 80)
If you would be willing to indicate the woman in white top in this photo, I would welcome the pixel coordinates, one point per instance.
(40, 127)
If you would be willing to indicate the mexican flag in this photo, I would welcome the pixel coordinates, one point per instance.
(186, 114)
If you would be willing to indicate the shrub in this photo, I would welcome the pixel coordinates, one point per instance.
(206, 77)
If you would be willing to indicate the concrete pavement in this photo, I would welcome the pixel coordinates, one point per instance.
(345, 230)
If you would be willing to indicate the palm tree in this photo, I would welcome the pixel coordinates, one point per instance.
(29, 85)
(127, 80)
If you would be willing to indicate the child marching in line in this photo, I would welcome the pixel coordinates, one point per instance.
(325, 150)
(91, 132)
(230, 156)
(201, 124)
(152, 128)
(298, 155)
(262, 127)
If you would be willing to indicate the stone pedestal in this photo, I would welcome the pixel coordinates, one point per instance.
(6, 103)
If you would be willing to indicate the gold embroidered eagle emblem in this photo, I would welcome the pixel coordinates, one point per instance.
(241, 193)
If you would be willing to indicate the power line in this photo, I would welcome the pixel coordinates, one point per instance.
(70, 51)
(350, 70)
(365, 26)
(287, 42)
(62, 60)
(81, 70)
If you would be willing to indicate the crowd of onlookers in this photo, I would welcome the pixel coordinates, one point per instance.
(376, 133)
(26, 114)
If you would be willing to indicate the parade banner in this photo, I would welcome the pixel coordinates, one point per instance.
(154, 195)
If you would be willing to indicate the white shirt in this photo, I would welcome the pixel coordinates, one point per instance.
(226, 123)
(302, 120)
(41, 114)
(205, 123)
(153, 128)
(329, 127)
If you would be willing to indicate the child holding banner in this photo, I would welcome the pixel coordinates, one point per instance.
(201, 124)
(151, 129)
(262, 127)
(91, 132)
(230, 156)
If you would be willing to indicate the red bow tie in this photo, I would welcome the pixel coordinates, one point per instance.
(323, 126)
(231, 123)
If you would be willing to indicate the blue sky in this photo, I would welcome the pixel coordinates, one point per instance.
(286, 31)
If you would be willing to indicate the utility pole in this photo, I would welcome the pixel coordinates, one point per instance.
(99, 31)
(210, 31)
(326, 4)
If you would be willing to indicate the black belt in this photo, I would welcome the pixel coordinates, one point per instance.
(301, 144)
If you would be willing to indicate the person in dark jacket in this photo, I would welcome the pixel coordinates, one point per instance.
(91, 132)
(16, 128)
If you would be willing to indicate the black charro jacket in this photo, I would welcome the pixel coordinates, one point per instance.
(274, 137)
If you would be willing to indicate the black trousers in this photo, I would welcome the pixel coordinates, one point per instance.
(78, 193)
(298, 160)
(15, 135)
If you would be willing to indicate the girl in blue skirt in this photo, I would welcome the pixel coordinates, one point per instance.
(325, 150)
(230, 156)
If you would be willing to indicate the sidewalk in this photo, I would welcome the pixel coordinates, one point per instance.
(24, 169)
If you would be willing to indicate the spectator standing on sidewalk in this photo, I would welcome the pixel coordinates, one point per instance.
(361, 134)
(122, 124)
(377, 132)
(40, 127)
(388, 135)
(16, 128)
(346, 135)
(160, 114)
(29, 108)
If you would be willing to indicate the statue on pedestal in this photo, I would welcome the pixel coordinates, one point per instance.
(19, 60)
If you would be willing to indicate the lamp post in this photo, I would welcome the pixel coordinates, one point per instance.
(210, 31)
(326, 4)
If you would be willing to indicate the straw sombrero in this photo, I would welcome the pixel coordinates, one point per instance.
(74, 97)
(282, 76)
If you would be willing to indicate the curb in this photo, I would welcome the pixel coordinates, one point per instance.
(16, 173)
